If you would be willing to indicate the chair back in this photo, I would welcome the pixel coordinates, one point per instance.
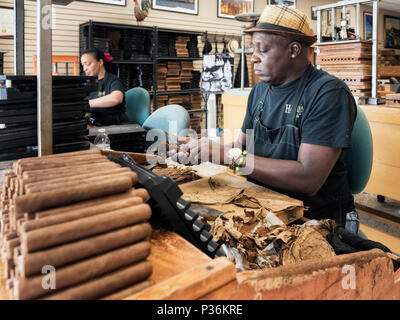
(358, 159)
(172, 118)
(137, 105)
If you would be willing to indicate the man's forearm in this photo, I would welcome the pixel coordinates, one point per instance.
(289, 175)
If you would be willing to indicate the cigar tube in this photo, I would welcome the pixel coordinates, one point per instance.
(129, 291)
(85, 204)
(38, 201)
(64, 171)
(93, 170)
(43, 187)
(85, 227)
(30, 288)
(79, 214)
(33, 263)
(106, 284)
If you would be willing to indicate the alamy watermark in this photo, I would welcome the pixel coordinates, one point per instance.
(349, 280)
(49, 280)
(194, 150)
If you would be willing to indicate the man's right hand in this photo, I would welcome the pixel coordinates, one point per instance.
(194, 151)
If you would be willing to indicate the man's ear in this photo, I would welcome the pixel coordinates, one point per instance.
(295, 49)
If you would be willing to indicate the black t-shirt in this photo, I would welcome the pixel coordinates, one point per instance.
(107, 85)
(325, 116)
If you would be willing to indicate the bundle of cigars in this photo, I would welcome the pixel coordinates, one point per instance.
(74, 227)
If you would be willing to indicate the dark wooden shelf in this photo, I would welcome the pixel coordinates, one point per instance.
(180, 58)
(132, 62)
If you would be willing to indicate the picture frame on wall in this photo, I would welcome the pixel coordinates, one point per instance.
(368, 26)
(288, 3)
(6, 23)
(114, 2)
(392, 32)
(313, 13)
(180, 6)
(230, 8)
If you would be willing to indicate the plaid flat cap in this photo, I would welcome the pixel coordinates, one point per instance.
(285, 21)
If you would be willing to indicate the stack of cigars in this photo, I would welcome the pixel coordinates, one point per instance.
(78, 217)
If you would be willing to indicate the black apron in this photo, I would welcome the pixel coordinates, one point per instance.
(334, 199)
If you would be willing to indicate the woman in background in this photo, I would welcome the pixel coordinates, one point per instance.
(107, 105)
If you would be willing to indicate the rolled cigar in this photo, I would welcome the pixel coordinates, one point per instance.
(143, 193)
(85, 227)
(10, 245)
(106, 284)
(8, 266)
(30, 288)
(16, 254)
(29, 216)
(33, 263)
(7, 177)
(129, 291)
(21, 164)
(89, 172)
(11, 235)
(43, 187)
(57, 164)
(38, 201)
(63, 171)
(60, 155)
(93, 202)
(79, 213)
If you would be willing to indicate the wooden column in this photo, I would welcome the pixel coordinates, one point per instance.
(44, 77)
(19, 42)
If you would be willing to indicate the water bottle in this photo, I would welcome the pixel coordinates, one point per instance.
(102, 141)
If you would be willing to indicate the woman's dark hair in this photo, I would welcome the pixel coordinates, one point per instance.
(98, 55)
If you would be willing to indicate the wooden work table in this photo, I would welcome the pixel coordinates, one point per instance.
(181, 271)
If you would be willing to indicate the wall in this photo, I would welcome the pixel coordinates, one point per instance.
(68, 18)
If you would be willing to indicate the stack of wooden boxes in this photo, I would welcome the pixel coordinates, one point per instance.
(350, 62)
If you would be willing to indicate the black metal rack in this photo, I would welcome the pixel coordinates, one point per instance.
(1, 62)
(89, 31)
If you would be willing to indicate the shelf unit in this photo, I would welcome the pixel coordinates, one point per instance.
(90, 30)
(1, 61)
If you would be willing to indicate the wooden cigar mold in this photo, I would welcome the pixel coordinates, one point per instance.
(81, 215)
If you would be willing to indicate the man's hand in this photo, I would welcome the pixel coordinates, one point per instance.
(195, 151)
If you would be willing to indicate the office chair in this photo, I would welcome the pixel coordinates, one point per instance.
(171, 119)
(137, 105)
(163, 123)
(358, 159)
